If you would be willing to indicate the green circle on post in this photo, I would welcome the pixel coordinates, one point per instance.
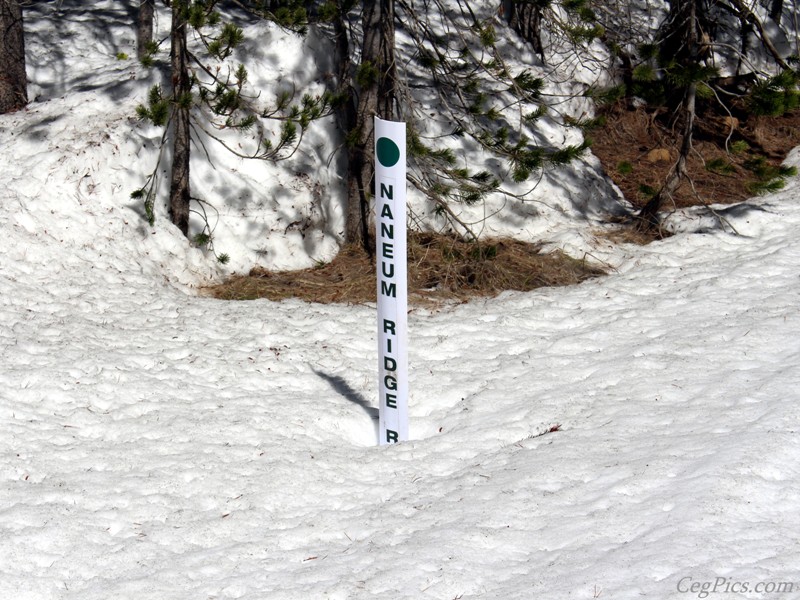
(388, 152)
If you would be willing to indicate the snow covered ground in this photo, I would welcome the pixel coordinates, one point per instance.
(158, 445)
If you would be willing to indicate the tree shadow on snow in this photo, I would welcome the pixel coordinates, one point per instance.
(49, 24)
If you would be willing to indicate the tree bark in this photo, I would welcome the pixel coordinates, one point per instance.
(751, 18)
(13, 79)
(648, 216)
(776, 10)
(526, 19)
(684, 33)
(376, 96)
(144, 29)
(179, 193)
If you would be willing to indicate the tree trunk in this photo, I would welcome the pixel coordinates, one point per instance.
(776, 10)
(683, 32)
(744, 11)
(526, 19)
(13, 80)
(144, 29)
(648, 216)
(376, 84)
(388, 68)
(179, 194)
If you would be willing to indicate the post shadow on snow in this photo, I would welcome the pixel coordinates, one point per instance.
(340, 386)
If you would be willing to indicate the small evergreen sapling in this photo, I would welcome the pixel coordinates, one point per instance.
(214, 97)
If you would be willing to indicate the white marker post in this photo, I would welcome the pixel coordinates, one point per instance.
(390, 251)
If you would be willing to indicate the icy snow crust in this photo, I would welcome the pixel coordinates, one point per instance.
(158, 445)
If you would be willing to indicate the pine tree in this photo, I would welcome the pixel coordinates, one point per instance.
(466, 80)
(685, 46)
(201, 94)
(367, 90)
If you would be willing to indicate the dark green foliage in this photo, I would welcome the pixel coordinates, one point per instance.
(157, 109)
(582, 28)
(587, 125)
(215, 92)
(533, 116)
(775, 96)
(647, 191)
(487, 35)
(766, 187)
(567, 154)
(148, 194)
(221, 46)
(327, 11)
(530, 85)
(427, 59)
(583, 34)
(185, 100)
(766, 172)
(366, 74)
(606, 96)
(525, 162)
(720, 166)
(681, 76)
(150, 50)
(289, 14)
(739, 146)
(644, 73)
(418, 149)
(624, 168)
(202, 239)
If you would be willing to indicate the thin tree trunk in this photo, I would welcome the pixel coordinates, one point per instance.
(648, 216)
(13, 79)
(687, 35)
(776, 10)
(376, 83)
(388, 69)
(179, 193)
(751, 17)
(144, 29)
(526, 20)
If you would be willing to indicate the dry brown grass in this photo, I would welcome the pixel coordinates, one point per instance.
(440, 268)
(638, 148)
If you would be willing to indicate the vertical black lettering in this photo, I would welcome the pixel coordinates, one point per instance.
(389, 363)
(388, 327)
(389, 289)
(387, 191)
(386, 211)
(391, 400)
(387, 268)
(392, 437)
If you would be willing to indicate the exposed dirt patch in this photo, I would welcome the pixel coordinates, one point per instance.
(733, 154)
(440, 268)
